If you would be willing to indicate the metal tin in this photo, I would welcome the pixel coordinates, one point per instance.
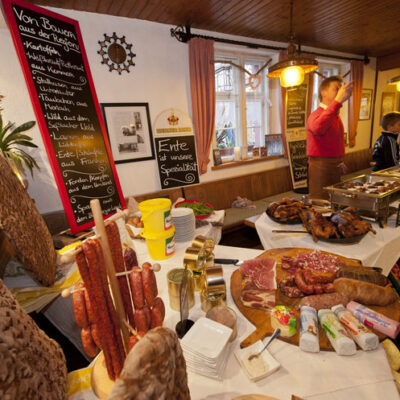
(204, 243)
(195, 258)
(174, 279)
(209, 261)
(198, 278)
(214, 282)
(208, 301)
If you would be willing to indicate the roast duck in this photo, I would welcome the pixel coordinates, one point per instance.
(342, 224)
(286, 210)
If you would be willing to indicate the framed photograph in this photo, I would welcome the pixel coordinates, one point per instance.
(217, 157)
(388, 102)
(365, 106)
(129, 131)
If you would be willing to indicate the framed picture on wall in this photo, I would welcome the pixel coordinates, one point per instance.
(365, 106)
(129, 131)
(388, 102)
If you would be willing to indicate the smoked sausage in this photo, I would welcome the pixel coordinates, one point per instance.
(88, 343)
(149, 283)
(78, 302)
(141, 320)
(88, 308)
(158, 303)
(95, 335)
(130, 258)
(156, 317)
(135, 279)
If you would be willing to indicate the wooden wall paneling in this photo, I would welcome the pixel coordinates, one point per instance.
(271, 182)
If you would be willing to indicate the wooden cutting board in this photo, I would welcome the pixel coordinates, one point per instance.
(261, 318)
(254, 397)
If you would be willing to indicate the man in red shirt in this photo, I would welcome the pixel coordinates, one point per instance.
(325, 137)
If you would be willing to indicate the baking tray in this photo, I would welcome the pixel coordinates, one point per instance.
(392, 172)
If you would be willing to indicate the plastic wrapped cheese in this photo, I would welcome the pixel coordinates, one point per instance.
(336, 333)
(309, 337)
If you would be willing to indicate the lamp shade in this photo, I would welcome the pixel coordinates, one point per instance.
(291, 71)
(292, 76)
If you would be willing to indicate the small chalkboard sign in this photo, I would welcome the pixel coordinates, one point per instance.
(56, 70)
(296, 107)
(298, 162)
(177, 162)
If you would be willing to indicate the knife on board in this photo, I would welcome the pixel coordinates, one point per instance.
(230, 261)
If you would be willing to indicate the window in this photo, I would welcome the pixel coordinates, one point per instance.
(329, 69)
(241, 117)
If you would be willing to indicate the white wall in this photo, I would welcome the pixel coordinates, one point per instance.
(160, 78)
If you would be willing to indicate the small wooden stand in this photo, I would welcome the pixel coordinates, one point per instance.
(101, 383)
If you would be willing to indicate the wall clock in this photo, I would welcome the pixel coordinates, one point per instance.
(116, 53)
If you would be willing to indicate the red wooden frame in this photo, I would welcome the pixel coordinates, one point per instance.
(12, 23)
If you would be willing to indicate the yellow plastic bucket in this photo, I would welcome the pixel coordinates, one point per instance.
(160, 245)
(156, 215)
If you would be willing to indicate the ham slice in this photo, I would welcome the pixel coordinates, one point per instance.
(258, 283)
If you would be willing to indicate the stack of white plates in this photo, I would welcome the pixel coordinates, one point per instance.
(185, 223)
(205, 348)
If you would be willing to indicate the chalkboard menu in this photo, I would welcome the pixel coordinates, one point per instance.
(54, 62)
(296, 107)
(177, 163)
(298, 161)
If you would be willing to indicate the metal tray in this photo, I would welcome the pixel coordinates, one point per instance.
(351, 240)
(393, 172)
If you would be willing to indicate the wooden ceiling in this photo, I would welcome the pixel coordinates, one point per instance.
(364, 27)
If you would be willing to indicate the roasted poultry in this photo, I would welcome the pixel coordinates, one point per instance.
(286, 209)
(318, 225)
(350, 224)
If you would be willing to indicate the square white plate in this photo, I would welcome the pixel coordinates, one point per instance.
(270, 361)
(206, 338)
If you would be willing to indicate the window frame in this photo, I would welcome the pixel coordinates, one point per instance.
(241, 57)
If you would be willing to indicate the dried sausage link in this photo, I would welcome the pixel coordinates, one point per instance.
(130, 258)
(114, 241)
(117, 349)
(88, 343)
(97, 314)
(79, 305)
(149, 283)
(135, 279)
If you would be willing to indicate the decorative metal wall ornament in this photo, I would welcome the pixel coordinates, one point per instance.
(116, 53)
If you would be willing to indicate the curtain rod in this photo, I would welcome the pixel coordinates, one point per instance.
(183, 35)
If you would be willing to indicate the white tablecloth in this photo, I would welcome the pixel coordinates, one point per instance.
(380, 250)
(322, 376)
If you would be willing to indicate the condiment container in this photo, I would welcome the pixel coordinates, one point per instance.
(374, 320)
(225, 316)
(210, 300)
(261, 366)
(360, 334)
(174, 279)
(336, 333)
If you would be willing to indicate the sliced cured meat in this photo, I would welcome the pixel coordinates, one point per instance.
(318, 261)
(258, 298)
(261, 272)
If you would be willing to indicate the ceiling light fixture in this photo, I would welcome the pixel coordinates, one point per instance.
(395, 81)
(292, 70)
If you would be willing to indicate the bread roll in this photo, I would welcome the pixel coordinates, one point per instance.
(364, 292)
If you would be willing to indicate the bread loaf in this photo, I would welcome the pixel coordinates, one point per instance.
(364, 292)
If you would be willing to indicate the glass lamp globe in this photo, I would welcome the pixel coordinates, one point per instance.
(292, 76)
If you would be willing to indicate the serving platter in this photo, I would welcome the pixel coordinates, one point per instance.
(260, 318)
(202, 216)
(293, 221)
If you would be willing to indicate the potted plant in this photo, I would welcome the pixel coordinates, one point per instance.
(12, 139)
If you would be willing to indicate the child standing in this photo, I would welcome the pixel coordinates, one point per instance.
(386, 149)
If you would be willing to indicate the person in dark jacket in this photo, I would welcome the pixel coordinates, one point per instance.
(386, 149)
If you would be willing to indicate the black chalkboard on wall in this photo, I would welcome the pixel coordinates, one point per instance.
(54, 62)
(177, 162)
(298, 161)
(296, 107)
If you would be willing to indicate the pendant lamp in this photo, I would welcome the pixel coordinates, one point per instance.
(292, 70)
(395, 81)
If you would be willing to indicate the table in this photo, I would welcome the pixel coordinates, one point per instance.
(380, 250)
(322, 376)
